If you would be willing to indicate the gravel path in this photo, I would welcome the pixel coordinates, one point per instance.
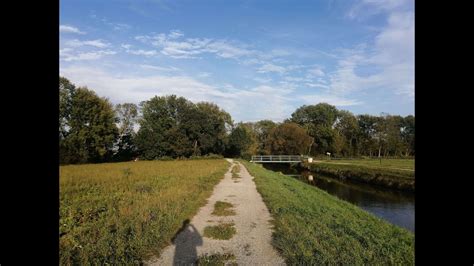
(251, 245)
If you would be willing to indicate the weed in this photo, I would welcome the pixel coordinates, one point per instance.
(222, 231)
(216, 259)
(222, 208)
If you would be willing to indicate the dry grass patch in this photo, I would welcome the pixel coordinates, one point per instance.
(217, 259)
(222, 208)
(222, 231)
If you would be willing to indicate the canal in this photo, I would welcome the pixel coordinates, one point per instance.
(395, 207)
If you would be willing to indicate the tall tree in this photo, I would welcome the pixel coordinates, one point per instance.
(213, 123)
(242, 142)
(176, 127)
(348, 129)
(90, 130)
(127, 114)
(288, 138)
(367, 134)
(161, 132)
(319, 121)
(408, 134)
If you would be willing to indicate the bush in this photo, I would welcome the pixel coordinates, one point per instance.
(165, 158)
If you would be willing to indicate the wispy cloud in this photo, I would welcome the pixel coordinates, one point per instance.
(159, 68)
(67, 54)
(392, 53)
(271, 68)
(143, 52)
(366, 8)
(95, 43)
(239, 102)
(330, 99)
(175, 46)
(316, 72)
(70, 29)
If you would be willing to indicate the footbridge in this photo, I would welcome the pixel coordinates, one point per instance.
(279, 158)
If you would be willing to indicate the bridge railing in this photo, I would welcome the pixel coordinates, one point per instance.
(277, 158)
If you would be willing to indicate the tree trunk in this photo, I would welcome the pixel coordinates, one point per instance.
(380, 149)
(195, 147)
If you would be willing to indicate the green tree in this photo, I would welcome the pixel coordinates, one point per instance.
(127, 114)
(161, 132)
(242, 142)
(367, 134)
(348, 129)
(319, 121)
(214, 123)
(288, 138)
(408, 134)
(173, 126)
(89, 129)
(262, 128)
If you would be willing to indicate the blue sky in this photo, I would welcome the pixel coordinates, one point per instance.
(255, 59)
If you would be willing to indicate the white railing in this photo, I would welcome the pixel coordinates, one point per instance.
(276, 158)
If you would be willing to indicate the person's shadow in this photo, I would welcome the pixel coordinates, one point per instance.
(186, 241)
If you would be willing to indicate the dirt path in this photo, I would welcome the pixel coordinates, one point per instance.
(251, 245)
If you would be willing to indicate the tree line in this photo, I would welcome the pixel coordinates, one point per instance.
(93, 130)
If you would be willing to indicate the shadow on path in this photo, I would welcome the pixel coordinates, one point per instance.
(186, 243)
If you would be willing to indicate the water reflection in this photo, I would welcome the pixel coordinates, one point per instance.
(394, 206)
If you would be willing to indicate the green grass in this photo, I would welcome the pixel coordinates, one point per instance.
(222, 231)
(313, 227)
(217, 260)
(222, 208)
(387, 177)
(408, 164)
(122, 213)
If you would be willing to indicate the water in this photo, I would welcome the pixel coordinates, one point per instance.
(395, 207)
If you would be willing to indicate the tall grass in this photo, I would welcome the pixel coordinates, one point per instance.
(313, 227)
(122, 213)
(408, 164)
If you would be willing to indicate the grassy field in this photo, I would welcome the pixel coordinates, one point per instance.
(394, 173)
(407, 164)
(315, 228)
(121, 213)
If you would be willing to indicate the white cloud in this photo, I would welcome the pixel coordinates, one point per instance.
(392, 53)
(367, 8)
(67, 55)
(174, 46)
(126, 46)
(316, 72)
(143, 52)
(70, 29)
(317, 85)
(240, 103)
(271, 68)
(330, 99)
(95, 43)
(159, 68)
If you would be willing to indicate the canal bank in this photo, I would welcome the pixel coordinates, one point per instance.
(394, 206)
(313, 227)
(399, 179)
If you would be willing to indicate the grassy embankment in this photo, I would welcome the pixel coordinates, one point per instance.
(391, 173)
(122, 213)
(315, 228)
